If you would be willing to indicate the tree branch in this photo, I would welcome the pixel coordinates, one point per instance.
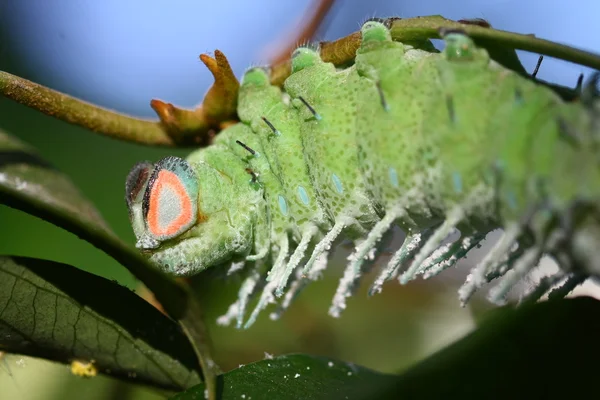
(78, 112)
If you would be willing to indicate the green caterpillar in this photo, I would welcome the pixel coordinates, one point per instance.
(431, 142)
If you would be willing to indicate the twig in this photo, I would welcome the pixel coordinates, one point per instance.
(343, 50)
(177, 127)
(416, 29)
(78, 112)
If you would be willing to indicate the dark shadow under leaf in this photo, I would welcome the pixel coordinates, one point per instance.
(61, 313)
(538, 351)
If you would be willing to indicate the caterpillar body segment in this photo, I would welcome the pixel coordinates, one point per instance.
(431, 142)
(259, 104)
(329, 137)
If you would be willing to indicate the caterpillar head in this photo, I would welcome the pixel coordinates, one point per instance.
(179, 233)
(162, 201)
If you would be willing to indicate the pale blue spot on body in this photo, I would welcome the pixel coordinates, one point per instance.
(393, 177)
(457, 180)
(337, 183)
(283, 205)
(519, 98)
(511, 200)
(303, 195)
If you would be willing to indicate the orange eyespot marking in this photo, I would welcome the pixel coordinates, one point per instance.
(170, 208)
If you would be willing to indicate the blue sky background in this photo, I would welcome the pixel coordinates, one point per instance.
(120, 54)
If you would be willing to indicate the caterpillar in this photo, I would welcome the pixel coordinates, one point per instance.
(430, 142)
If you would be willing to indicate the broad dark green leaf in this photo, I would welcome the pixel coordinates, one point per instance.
(24, 172)
(30, 184)
(295, 376)
(539, 351)
(61, 313)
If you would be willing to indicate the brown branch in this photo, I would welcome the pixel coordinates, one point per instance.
(428, 27)
(81, 113)
(177, 127)
(197, 127)
(218, 107)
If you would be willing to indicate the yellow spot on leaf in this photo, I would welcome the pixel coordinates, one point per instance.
(87, 369)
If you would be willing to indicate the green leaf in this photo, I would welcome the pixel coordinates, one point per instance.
(544, 350)
(295, 376)
(26, 175)
(61, 313)
(30, 184)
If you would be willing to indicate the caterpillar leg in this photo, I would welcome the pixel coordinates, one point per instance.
(454, 217)
(232, 311)
(411, 245)
(573, 280)
(440, 255)
(455, 251)
(568, 282)
(353, 270)
(524, 265)
(296, 257)
(325, 243)
(238, 309)
(490, 263)
(266, 298)
(235, 267)
(545, 284)
(273, 279)
(300, 283)
(362, 250)
(258, 256)
(284, 247)
(544, 242)
(343, 291)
